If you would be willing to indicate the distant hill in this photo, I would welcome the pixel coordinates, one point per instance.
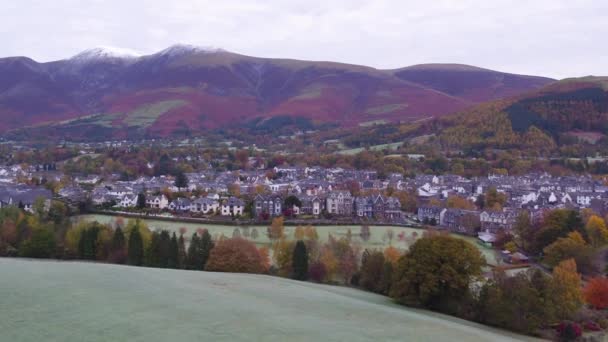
(182, 90)
(569, 112)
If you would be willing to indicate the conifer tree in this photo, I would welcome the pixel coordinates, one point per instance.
(181, 245)
(193, 255)
(135, 253)
(206, 245)
(300, 261)
(173, 258)
(117, 247)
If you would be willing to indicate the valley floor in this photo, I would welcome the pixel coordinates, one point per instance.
(78, 301)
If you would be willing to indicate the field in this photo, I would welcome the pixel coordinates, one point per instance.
(75, 301)
(379, 238)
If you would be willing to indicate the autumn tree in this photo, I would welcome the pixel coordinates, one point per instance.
(596, 292)
(597, 232)
(392, 255)
(573, 246)
(436, 270)
(522, 230)
(365, 233)
(282, 253)
(372, 267)
(235, 255)
(276, 230)
(566, 289)
(300, 261)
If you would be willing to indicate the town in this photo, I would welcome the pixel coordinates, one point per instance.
(480, 206)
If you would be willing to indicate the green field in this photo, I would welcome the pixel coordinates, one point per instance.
(76, 301)
(378, 239)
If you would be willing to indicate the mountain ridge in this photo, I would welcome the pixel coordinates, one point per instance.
(196, 88)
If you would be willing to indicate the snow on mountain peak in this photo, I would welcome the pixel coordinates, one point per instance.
(182, 49)
(106, 52)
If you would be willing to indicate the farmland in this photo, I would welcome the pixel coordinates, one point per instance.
(76, 301)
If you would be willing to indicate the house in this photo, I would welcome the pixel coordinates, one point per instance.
(158, 202)
(493, 221)
(340, 202)
(311, 205)
(267, 204)
(180, 204)
(461, 221)
(24, 197)
(204, 205)
(128, 201)
(431, 215)
(232, 207)
(364, 207)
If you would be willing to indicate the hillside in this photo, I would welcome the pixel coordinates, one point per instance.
(184, 90)
(72, 301)
(567, 117)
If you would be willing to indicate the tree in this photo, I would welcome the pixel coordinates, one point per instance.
(317, 272)
(193, 260)
(135, 253)
(596, 293)
(329, 261)
(458, 202)
(181, 254)
(235, 255)
(292, 201)
(511, 302)
(206, 246)
(365, 233)
(495, 200)
(372, 268)
(573, 246)
(254, 233)
(437, 269)
(300, 261)
(597, 232)
(565, 289)
(173, 257)
(41, 244)
(523, 231)
(141, 200)
(181, 181)
(117, 247)
(282, 253)
(392, 255)
(276, 229)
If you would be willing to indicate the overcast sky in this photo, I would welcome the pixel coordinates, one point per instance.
(556, 38)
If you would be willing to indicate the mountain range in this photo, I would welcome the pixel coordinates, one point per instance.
(104, 93)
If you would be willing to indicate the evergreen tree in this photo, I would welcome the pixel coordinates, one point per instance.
(164, 248)
(117, 247)
(135, 254)
(193, 254)
(164, 165)
(300, 261)
(141, 200)
(181, 181)
(153, 255)
(173, 260)
(181, 262)
(206, 245)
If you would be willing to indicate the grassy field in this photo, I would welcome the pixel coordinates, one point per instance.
(378, 240)
(75, 301)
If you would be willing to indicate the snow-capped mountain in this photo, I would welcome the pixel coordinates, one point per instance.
(114, 92)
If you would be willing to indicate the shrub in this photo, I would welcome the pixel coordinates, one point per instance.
(235, 255)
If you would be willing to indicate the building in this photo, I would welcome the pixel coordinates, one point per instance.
(267, 204)
(232, 207)
(340, 202)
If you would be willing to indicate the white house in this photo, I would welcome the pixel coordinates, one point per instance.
(158, 202)
(232, 207)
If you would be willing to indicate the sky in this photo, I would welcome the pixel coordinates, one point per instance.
(554, 38)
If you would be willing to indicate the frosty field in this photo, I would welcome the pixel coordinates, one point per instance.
(378, 238)
(75, 301)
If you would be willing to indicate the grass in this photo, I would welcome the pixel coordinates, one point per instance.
(378, 239)
(146, 115)
(391, 146)
(75, 301)
(385, 108)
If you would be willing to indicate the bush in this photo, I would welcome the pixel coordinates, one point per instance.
(235, 255)
(568, 331)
